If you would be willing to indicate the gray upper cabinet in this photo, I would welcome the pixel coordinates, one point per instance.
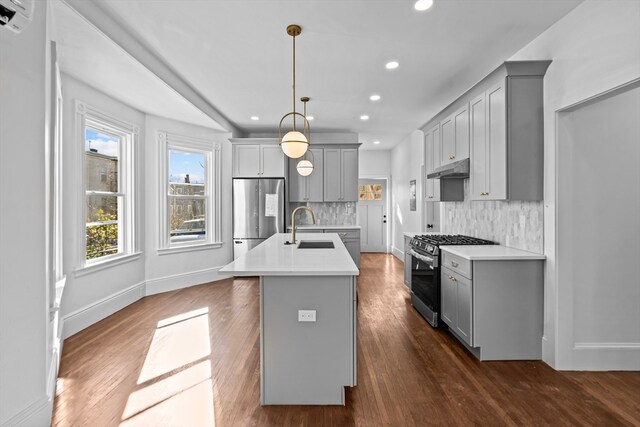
(332, 179)
(272, 161)
(307, 188)
(259, 160)
(498, 124)
(246, 160)
(455, 136)
(340, 174)
(349, 172)
(432, 161)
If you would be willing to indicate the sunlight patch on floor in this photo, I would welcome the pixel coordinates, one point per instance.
(177, 341)
(175, 387)
(165, 389)
(192, 407)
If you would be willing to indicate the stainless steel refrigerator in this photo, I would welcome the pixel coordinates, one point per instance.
(258, 212)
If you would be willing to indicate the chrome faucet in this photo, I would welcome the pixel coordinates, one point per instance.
(293, 221)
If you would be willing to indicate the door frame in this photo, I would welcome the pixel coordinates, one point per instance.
(387, 178)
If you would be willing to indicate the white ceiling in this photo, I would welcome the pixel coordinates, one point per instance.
(91, 57)
(237, 55)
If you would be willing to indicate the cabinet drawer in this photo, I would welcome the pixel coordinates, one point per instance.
(457, 264)
(345, 234)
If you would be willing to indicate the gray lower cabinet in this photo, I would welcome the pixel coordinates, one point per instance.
(407, 262)
(351, 239)
(495, 308)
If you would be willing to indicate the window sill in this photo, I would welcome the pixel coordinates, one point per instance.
(92, 268)
(189, 248)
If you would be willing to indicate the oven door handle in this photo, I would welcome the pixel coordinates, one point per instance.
(426, 259)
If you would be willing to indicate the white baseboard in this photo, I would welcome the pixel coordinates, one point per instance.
(78, 320)
(36, 414)
(183, 280)
(398, 253)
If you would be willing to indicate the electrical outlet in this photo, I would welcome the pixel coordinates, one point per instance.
(306, 315)
(523, 221)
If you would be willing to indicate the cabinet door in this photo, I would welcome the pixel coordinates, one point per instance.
(448, 144)
(479, 149)
(464, 308)
(297, 183)
(315, 182)
(332, 179)
(272, 160)
(349, 175)
(461, 125)
(448, 297)
(496, 157)
(246, 161)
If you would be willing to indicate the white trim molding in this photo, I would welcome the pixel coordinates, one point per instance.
(80, 319)
(398, 253)
(184, 280)
(36, 414)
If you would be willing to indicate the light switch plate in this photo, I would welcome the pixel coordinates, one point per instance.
(306, 315)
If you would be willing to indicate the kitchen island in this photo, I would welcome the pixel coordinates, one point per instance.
(307, 319)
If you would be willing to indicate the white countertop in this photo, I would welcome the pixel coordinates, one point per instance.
(273, 258)
(326, 227)
(491, 253)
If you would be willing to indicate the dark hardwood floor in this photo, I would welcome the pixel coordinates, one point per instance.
(191, 357)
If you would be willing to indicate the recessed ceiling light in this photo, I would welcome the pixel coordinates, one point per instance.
(375, 97)
(376, 142)
(422, 5)
(255, 118)
(364, 117)
(392, 65)
(309, 118)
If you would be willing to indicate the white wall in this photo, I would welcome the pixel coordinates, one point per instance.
(90, 297)
(172, 271)
(24, 115)
(374, 163)
(594, 48)
(406, 164)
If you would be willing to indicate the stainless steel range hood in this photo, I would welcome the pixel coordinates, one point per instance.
(455, 170)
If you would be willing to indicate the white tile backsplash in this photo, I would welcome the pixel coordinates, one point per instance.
(517, 224)
(338, 213)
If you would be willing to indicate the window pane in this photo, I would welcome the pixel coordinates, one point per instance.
(102, 226)
(186, 173)
(187, 219)
(101, 161)
(102, 208)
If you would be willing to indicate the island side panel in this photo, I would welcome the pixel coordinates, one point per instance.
(306, 363)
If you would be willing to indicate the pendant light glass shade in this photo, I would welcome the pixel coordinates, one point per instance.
(294, 144)
(304, 167)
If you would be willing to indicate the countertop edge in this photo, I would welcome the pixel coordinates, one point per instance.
(518, 255)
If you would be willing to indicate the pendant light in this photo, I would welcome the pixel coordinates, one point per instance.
(305, 166)
(294, 143)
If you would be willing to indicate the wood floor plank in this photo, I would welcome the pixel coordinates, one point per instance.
(409, 374)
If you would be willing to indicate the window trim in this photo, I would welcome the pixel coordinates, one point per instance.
(129, 134)
(211, 150)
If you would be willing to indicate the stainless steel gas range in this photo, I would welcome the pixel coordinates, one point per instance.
(425, 271)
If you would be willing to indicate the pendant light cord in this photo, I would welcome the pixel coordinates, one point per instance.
(294, 81)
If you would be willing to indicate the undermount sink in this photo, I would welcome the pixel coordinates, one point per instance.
(316, 244)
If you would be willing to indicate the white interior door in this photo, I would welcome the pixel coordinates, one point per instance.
(372, 213)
